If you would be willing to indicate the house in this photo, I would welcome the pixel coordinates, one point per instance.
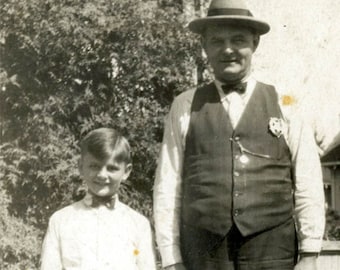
(331, 176)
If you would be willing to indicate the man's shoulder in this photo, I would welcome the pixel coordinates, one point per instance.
(186, 97)
(266, 85)
(284, 99)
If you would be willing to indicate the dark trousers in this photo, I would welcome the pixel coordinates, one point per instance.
(274, 249)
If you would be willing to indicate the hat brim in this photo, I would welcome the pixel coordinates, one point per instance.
(198, 26)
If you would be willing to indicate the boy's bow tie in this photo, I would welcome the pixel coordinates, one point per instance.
(237, 87)
(109, 201)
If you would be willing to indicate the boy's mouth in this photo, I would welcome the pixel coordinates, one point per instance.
(101, 182)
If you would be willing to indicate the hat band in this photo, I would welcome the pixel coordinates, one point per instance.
(229, 11)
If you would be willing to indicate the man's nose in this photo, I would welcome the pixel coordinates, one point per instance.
(228, 48)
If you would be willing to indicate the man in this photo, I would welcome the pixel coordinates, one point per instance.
(233, 169)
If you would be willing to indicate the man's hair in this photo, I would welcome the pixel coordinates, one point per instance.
(232, 24)
(102, 143)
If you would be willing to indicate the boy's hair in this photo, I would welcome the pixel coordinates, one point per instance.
(102, 143)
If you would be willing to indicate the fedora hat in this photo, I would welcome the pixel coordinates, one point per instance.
(232, 12)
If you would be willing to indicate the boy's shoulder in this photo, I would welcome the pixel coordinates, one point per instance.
(132, 214)
(69, 210)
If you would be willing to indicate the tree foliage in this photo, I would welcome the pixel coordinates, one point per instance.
(332, 231)
(67, 67)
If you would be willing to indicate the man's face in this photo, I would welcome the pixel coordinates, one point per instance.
(103, 177)
(229, 50)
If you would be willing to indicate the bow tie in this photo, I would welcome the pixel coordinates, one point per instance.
(96, 201)
(236, 87)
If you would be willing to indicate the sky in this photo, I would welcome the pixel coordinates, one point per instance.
(301, 57)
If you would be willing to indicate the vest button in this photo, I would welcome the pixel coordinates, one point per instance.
(237, 212)
(236, 174)
(237, 138)
(237, 157)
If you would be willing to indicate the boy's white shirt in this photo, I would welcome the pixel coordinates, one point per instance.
(309, 195)
(81, 237)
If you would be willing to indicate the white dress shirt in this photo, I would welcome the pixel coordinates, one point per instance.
(80, 237)
(308, 184)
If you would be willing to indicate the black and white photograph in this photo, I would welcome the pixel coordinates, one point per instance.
(169, 134)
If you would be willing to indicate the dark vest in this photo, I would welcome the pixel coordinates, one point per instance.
(240, 176)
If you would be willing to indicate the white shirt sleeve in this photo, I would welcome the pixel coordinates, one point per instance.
(323, 113)
(308, 185)
(167, 187)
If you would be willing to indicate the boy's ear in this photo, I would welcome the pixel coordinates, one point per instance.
(203, 46)
(128, 169)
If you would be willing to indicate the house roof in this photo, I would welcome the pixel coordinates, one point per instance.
(332, 156)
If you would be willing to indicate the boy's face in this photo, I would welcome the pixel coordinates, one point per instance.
(103, 177)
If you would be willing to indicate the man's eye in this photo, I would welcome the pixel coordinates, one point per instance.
(239, 40)
(216, 41)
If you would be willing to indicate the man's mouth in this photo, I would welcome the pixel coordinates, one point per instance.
(229, 61)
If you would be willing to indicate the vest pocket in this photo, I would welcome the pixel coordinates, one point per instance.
(277, 151)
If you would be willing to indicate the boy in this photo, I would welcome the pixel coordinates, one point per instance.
(99, 232)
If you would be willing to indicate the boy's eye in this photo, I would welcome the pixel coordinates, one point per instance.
(94, 166)
(112, 168)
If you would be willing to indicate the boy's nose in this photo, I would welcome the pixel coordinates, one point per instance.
(102, 174)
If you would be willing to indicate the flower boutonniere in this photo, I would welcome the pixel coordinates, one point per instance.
(276, 126)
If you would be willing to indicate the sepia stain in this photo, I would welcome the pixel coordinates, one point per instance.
(288, 100)
(136, 252)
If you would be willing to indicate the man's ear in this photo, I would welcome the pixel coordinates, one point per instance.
(128, 169)
(80, 166)
(256, 42)
(204, 51)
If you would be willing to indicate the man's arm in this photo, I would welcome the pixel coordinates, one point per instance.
(308, 185)
(177, 266)
(167, 187)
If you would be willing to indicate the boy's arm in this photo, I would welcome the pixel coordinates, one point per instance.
(146, 250)
(50, 256)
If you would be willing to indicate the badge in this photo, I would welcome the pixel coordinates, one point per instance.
(276, 126)
(244, 159)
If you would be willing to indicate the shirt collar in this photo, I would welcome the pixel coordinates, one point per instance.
(251, 82)
(88, 199)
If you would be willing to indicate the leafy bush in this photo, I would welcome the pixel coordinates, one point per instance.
(332, 231)
(20, 243)
(67, 67)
